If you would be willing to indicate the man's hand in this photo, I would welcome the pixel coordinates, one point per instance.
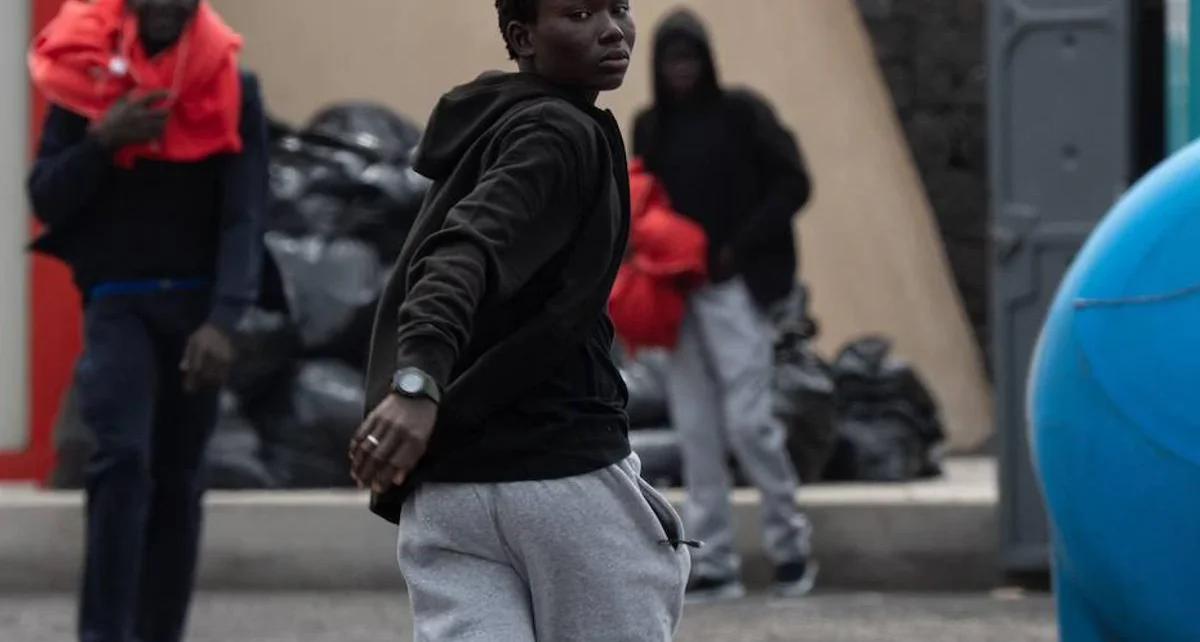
(131, 121)
(206, 359)
(391, 441)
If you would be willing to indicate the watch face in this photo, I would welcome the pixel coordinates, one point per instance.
(411, 383)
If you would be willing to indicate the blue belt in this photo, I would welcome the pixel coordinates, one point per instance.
(144, 286)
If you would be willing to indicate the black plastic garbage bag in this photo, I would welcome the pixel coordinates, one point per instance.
(306, 427)
(333, 191)
(658, 448)
(803, 397)
(645, 377)
(883, 404)
(278, 128)
(320, 214)
(233, 457)
(369, 125)
(383, 212)
(327, 283)
(313, 182)
(866, 373)
(382, 208)
(348, 174)
(403, 187)
(353, 344)
(266, 344)
(337, 163)
(876, 449)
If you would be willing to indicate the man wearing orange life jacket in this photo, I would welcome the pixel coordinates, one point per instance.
(150, 181)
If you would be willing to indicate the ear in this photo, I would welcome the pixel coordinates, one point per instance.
(520, 38)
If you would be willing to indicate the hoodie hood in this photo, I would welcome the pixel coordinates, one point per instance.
(466, 112)
(684, 24)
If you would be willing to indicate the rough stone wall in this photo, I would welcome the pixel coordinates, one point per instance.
(931, 53)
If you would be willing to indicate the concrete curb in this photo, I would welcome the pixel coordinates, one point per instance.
(939, 535)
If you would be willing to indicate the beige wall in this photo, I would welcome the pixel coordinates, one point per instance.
(870, 250)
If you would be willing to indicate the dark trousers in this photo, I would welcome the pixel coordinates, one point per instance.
(144, 482)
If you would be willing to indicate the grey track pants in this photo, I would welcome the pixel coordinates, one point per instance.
(577, 559)
(719, 393)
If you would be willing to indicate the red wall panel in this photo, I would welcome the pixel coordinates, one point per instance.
(54, 325)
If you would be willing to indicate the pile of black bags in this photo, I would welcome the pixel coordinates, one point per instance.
(343, 198)
(888, 423)
(866, 416)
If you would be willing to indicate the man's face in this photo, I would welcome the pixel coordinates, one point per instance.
(682, 64)
(161, 22)
(581, 43)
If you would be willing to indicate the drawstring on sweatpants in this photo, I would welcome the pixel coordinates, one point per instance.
(676, 543)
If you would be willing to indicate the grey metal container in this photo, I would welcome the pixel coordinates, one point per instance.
(1060, 136)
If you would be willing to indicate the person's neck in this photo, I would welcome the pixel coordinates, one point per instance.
(685, 99)
(588, 95)
(153, 47)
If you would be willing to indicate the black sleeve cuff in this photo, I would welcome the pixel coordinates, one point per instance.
(99, 153)
(226, 315)
(99, 158)
(433, 357)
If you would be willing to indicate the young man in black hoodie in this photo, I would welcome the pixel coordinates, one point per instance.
(497, 437)
(727, 162)
(167, 256)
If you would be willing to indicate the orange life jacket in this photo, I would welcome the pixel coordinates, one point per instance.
(667, 257)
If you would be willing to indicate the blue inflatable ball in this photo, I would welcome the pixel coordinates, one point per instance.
(1114, 410)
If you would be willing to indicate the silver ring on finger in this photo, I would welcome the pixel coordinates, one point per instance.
(373, 440)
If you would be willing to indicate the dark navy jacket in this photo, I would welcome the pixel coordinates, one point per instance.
(158, 221)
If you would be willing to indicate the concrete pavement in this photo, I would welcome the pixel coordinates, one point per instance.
(938, 535)
(375, 617)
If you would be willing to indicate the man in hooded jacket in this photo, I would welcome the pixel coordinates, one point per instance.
(729, 164)
(497, 437)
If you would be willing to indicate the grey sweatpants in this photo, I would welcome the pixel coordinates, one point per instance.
(719, 394)
(564, 560)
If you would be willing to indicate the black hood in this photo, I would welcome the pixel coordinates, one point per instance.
(684, 24)
(467, 111)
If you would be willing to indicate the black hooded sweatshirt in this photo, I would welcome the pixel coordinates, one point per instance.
(501, 290)
(729, 164)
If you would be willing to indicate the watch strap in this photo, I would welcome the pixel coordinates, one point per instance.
(427, 389)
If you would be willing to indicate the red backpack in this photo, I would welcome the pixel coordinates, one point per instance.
(667, 257)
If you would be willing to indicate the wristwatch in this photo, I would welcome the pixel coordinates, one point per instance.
(414, 383)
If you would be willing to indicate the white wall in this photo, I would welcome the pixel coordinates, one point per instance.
(14, 150)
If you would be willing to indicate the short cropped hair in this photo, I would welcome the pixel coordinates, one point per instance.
(519, 10)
